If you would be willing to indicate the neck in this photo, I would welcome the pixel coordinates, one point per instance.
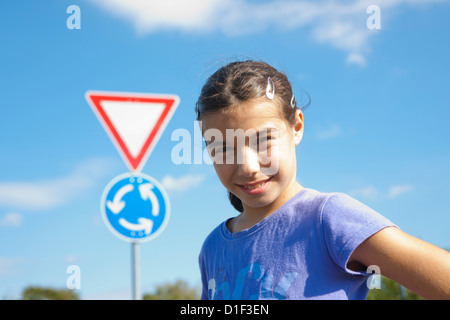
(266, 211)
(252, 216)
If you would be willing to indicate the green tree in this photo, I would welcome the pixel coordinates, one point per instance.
(180, 290)
(391, 290)
(40, 293)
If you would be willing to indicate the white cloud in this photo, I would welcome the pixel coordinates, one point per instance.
(395, 191)
(356, 58)
(374, 194)
(182, 183)
(11, 219)
(50, 193)
(367, 193)
(153, 15)
(331, 132)
(71, 259)
(341, 24)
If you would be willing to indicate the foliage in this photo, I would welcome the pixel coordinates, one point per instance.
(391, 290)
(40, 293)
(180, 290)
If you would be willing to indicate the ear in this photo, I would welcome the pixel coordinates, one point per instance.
(298, 128)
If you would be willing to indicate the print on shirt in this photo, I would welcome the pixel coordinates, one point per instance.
(264, 288)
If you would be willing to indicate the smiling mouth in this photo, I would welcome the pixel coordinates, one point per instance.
(255, 188)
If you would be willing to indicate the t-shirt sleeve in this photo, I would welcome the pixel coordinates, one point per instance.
(346, 223)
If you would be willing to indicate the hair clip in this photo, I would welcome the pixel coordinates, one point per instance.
(270, 90)
(293, 104)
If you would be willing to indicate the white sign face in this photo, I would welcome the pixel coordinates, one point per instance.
(134, 121)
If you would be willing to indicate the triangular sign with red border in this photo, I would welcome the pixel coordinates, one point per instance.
(134, 121)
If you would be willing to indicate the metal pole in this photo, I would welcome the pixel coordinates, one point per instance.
(403, 293)
(135, 267)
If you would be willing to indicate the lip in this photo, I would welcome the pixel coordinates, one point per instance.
(258, 187)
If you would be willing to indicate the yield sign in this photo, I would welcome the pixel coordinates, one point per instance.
(134, 121)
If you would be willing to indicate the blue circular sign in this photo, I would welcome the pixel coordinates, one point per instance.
(135, 207)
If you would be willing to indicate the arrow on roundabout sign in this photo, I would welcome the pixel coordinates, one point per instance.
(135, 207)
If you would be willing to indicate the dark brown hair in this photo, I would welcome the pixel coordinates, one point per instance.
(242, 81)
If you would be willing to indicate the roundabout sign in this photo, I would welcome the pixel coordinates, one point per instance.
(135, 207)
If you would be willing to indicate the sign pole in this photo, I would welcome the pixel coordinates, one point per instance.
(135, 263)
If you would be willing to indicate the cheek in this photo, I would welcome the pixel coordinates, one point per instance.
(280, 159)
(224, 172)
(270, 160)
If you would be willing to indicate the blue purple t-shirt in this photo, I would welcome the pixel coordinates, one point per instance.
(300, 251)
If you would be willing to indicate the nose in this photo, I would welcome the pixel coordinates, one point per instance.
(248, 164)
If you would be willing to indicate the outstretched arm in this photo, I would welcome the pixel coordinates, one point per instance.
(417, 265)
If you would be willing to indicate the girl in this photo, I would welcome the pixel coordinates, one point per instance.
(292, 242)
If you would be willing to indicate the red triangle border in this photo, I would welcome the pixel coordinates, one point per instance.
(95, 98)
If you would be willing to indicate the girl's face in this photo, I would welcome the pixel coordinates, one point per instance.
(253, 151)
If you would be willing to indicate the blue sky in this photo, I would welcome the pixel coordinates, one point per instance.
(376, 127)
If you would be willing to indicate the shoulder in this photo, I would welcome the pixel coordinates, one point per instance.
(331, 208)
(341, 208)
(342, 215)
(309, 200)
(345, 223)
(330, 205)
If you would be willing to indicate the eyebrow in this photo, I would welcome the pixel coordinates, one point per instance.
(261, 132)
